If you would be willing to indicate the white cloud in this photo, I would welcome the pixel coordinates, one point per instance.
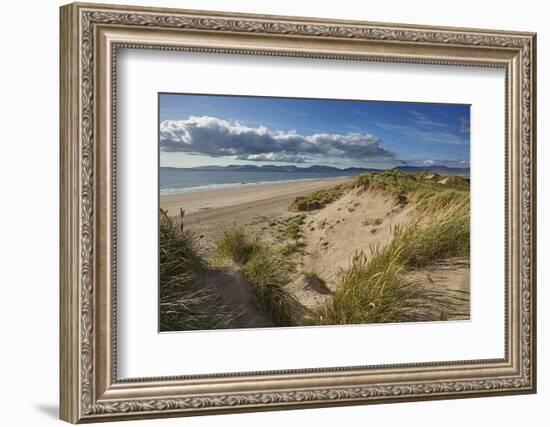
(216, 137)
(272, 157)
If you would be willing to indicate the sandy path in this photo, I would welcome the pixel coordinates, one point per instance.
(445, 291)
(236, 297)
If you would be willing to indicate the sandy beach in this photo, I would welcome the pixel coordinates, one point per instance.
(254, 206)
(263, 196)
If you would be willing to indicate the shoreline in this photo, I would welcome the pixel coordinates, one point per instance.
(210, 187)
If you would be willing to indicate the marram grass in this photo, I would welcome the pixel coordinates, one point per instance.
(184, 303)
(266, 270)
(420, 187)
(236, 245)
(376, 289)
(269, 273)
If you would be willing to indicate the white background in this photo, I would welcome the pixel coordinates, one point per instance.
(29, 173)
(145, 353)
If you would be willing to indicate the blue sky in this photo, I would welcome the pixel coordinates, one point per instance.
(197, 130)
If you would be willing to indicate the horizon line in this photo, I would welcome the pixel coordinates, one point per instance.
(315, 165)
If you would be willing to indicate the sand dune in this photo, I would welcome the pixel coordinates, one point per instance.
(329, 238)
(356, 222)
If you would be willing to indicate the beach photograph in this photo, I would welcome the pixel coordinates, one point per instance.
(282, 212)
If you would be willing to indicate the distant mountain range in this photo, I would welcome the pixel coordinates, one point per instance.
(445, 170)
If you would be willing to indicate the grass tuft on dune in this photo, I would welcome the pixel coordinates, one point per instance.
(236, 245)
(184, 304)
(429, 191)
(291, 248)
(267, 272)
(319, 199)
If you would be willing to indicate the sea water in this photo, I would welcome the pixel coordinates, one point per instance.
(177, 180)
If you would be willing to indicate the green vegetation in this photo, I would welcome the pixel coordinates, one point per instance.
(186, 304)
(441, 200)
(445, 235)
(376, 290)
(266, 271)
(291, 248)
(236, 245)
(292, 228)
(268, 274)
(183, 303)
(416, 186)
(430, 191)
(319, 199)
(372, 291)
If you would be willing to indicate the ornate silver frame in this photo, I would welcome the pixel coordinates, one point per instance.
(90, 36)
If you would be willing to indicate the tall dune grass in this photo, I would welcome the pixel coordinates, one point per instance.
(376, 289)
(184, 303)
(269, 273)
(426, 189)
(266, 270)
(236, 245)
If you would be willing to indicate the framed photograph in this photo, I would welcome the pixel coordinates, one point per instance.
(266, 212)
